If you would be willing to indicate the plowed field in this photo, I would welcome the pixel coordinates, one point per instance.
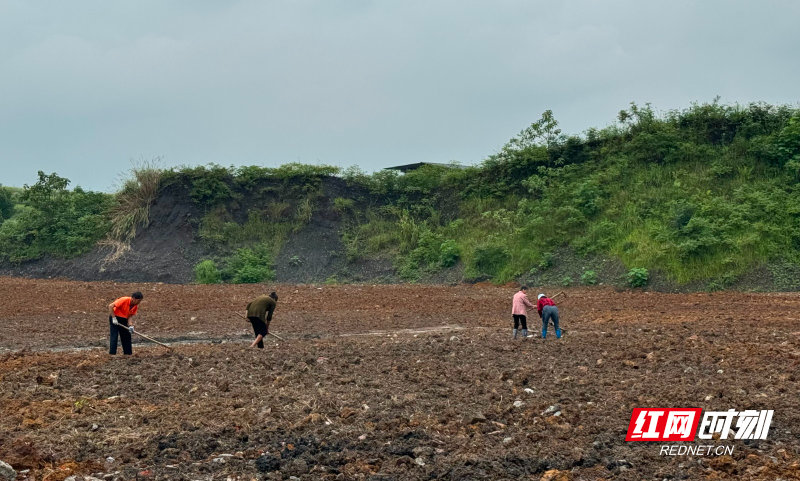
(387, 382)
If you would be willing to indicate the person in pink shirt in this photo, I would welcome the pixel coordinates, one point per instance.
(519, 310)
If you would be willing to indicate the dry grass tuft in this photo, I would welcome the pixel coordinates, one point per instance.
(132, 207)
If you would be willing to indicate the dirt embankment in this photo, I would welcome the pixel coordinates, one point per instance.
(169, 247)
(376, 382)
(164, 251)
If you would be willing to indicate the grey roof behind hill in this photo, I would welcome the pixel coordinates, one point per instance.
(417, 165)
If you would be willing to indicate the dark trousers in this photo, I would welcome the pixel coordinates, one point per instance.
(121, 332)
(520, 319)
(259, 327)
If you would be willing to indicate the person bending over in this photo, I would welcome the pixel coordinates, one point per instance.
(120, 314)
(259, 313)
(548, 310)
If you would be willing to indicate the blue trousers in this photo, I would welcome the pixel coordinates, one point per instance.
(550, 312)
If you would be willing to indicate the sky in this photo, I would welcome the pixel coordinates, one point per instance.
(88, 86)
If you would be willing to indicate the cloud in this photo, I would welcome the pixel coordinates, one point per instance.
(87, 86)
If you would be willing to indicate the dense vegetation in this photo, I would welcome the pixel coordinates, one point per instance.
(48, 219)
(699, 195)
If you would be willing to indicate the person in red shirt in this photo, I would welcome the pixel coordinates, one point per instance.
(120, 313)
(548, 310)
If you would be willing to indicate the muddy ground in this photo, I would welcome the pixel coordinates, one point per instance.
(387, 382)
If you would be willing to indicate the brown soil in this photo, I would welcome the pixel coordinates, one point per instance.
(387, 382)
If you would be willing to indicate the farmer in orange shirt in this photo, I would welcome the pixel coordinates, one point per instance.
(120, 313)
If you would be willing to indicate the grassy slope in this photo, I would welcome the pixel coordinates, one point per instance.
(701, 196)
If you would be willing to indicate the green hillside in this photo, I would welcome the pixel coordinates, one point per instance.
(700, 197)
(702, 194)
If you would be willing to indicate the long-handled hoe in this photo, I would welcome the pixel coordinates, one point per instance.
(151, 339)
(248, 320)
(122, 326)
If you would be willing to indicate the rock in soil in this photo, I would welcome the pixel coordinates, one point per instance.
(7, 473)
(551, 410)
(477, 418)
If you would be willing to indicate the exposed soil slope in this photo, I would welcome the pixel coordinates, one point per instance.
(168, 248)
(164, 251)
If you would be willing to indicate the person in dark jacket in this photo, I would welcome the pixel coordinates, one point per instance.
(259, 313)
(548, 310)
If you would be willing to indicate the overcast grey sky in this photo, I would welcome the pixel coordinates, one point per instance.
(87, 85)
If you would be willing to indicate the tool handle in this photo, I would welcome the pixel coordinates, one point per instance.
(248, 320)
(152, 340)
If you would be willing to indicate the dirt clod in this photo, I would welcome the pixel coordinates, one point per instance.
(267, 463)
(555, 475)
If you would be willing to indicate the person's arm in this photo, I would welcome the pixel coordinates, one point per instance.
(111, 313)
(270, 310)
(247, 311)
(528, 303)
(132, 311)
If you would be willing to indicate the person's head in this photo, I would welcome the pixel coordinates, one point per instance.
(274, 296)
(136, 298)
(524, 288)
(540, 296)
